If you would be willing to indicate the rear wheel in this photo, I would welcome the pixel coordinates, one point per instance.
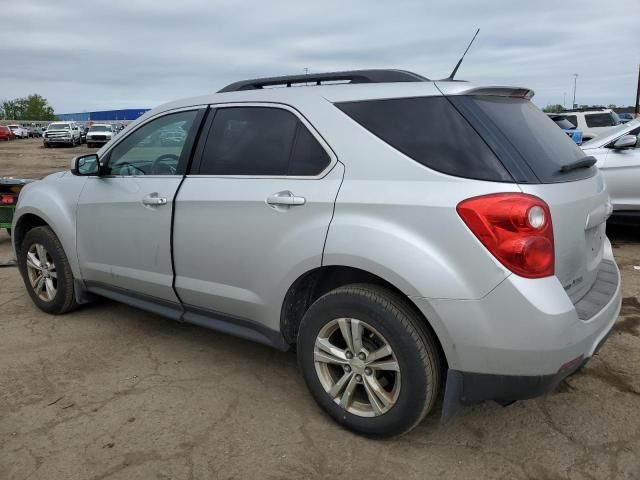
(46, 271)
(369, 360)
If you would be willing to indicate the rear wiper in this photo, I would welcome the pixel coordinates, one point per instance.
(584, 162)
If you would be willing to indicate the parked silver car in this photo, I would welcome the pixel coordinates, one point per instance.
(401, 233)
(618, 155)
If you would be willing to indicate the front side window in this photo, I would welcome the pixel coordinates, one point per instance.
(153, 149)
(260, 141)
(600, 120)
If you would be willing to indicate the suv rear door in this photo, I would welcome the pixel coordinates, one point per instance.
(253, 213)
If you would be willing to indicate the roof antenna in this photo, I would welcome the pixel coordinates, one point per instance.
(455, 70)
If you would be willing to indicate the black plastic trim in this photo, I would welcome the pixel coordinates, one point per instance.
(468, 388)
(353, 76)
(235, 326)
(160, 306)
(239, 327)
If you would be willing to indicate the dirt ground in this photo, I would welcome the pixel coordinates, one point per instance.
(114, 392)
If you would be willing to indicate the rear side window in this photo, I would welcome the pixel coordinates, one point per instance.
(600, 120)
(432, 132)
(261, 141)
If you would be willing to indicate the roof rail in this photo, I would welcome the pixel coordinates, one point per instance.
(353, 76)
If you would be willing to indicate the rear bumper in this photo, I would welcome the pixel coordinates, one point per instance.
(523, 338)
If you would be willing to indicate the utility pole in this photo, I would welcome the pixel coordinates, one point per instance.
(637, 109)
(575, 81)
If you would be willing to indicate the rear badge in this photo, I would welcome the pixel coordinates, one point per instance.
(573, 283)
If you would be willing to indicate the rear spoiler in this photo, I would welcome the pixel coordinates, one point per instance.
(517, 92)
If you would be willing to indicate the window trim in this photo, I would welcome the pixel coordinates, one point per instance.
(189, 148)
(214, 107)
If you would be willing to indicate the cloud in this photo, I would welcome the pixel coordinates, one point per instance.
(123, 53)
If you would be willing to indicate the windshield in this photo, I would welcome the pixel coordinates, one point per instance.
(100, 128)
(527, 135)
(58, 126)
(612, 133)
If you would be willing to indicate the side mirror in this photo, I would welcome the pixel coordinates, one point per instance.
(626, 141)
(85, 165)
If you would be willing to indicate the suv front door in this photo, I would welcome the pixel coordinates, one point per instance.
(254, 213)
(124, 215)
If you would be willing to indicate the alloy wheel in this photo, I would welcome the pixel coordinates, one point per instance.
(42, 272)
(357, 367)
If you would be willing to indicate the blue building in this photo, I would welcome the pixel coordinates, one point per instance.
(103, 116)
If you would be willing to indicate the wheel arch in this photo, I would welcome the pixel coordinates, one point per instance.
(26, 222)
(311, 285)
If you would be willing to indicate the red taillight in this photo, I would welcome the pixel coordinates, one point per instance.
(6, 199)
(516, 228)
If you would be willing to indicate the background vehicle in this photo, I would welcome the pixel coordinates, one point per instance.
(6, 133)
(61, 133)
(568, 128)
(279, 213)
(18, 131)
(99, 134)
(625, 117)
(9, 191)
(618, 155)
(591, 122)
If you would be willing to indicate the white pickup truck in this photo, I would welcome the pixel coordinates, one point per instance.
(65, 133)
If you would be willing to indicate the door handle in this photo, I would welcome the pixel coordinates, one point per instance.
(285, 199)
(154, 200)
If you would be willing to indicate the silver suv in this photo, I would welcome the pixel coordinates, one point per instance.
(405, 235)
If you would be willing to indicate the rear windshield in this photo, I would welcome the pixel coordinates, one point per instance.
(430, 131)
(600, 120)
(525, 137)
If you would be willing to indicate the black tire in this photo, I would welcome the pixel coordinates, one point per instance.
(64, 299)
(412, 343)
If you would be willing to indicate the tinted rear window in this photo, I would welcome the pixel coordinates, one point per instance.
(432, 132)
(600, 120)
(527, 135)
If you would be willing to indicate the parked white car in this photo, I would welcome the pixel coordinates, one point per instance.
(19, 131)
(591, 122)
(99, 134)
(618, 155)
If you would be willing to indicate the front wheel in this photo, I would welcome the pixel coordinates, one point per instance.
(46, 271)
(369, 360)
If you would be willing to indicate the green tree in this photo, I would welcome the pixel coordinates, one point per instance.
(32, 107)
(557, 108)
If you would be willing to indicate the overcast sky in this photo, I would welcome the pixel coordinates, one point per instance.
(95, 55)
